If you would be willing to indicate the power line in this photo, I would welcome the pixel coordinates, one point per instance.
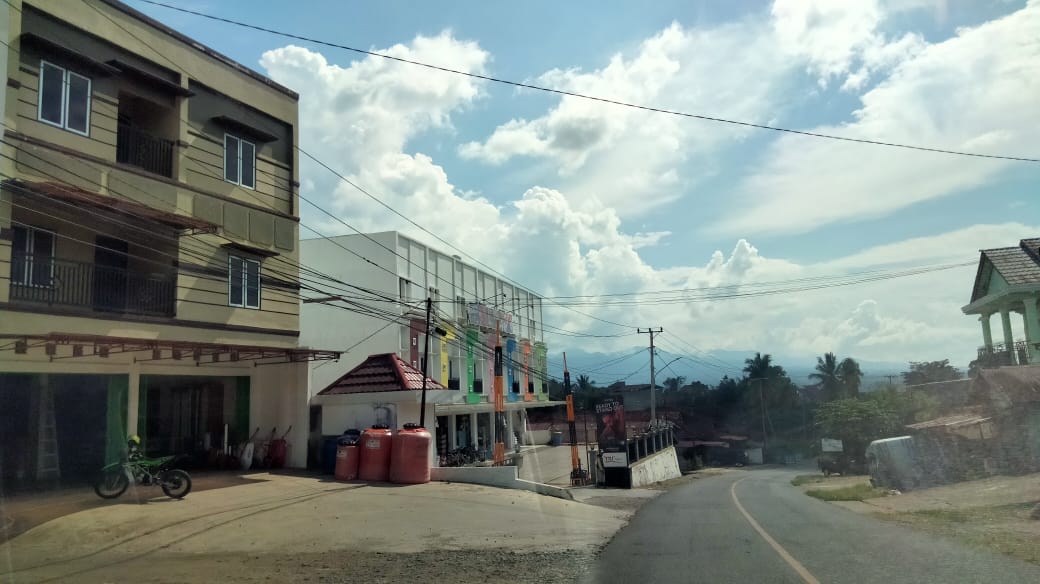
(563, 92)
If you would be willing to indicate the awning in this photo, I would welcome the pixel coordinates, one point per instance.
(127, 207)
(34, 39)
(71, 346)
(151, 78)
(237, 125)
(483, 407)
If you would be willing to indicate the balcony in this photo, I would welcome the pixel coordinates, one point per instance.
(54, 282)
(1001, 354)
(139, 148)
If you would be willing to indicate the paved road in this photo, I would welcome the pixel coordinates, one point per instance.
(698, 533)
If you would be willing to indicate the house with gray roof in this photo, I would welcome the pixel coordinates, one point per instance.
(1008, 283)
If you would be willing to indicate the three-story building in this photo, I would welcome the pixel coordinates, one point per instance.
(148, 245)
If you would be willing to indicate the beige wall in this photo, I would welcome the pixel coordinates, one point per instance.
(263, 218)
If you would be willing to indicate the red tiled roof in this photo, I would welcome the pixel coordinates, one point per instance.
(378, 373)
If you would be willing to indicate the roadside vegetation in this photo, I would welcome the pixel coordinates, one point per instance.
(1006, 529)
(807, 479)
(857, 492)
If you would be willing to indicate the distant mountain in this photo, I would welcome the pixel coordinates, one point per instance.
(606, 368)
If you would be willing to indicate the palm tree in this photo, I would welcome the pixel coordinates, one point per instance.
(850, 376)
(759, 367)
(827, 376)
(585, 383)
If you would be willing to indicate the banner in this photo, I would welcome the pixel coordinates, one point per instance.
(471, 339)
(446, 356)
(610, 424)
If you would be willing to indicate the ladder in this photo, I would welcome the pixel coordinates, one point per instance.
(47, 464)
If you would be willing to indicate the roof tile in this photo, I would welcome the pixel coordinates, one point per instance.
(379, 373)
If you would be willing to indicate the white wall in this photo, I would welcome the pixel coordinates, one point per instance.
(660, 466)
(326, 327)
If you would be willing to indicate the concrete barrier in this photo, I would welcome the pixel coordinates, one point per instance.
(660, 466)
(496, 476)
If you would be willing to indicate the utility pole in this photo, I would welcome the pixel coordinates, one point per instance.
(425, 363)
(653, 380)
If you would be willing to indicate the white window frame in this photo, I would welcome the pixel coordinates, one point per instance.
(245, 283)
(66, 74)
(30, 251)
(223, 169)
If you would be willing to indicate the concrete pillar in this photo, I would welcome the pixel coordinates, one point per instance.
(1009, 339)
(987, 333)
(473, 430)
(1032, 324)
(510, 437)
(133, 399)
(452, 429)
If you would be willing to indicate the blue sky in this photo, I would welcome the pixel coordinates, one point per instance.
(627, 201)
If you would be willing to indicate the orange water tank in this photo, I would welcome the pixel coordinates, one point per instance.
(410, 461)
(347, 462)
(374, 464)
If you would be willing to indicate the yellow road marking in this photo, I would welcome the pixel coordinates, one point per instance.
(779, 549)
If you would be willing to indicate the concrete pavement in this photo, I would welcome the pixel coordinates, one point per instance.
(698, 533)
(248, 532)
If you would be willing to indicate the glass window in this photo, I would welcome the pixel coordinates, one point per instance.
(252, 284)
(231, 146)
(248, 158)
(32, 257)
(78, 116)
(52, 94)
(236, 270)
(64, 98)
(243, 282)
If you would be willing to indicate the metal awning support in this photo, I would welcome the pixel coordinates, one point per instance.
(163, 350)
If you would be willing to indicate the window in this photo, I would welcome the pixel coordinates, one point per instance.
(243, 282)
(64, 99)
(32, 257)
(239, 161)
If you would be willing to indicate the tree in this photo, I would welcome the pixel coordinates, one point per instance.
(930, 372)
(759, 366)
(856, 423)
(850, 376)
(585, 383)
(827, 376)
(674, 383)
(908, 407)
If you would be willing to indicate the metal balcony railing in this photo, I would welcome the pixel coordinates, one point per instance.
(1001, 354)
(139, 148)
(99, 288)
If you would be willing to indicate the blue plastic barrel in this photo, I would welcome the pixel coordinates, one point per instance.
(557, 438)
(328, 454)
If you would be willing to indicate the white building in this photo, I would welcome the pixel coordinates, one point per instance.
(469, 303)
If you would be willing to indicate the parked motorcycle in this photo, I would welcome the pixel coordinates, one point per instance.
(137, 469)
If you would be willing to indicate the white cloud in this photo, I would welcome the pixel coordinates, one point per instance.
(836, 37)
(976, 91)
(361, 118)
(633, 160)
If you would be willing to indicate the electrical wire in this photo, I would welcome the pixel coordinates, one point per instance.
(562, 92)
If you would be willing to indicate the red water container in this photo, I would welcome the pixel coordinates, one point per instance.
(410, 461)
(374, 464)
(347, 463)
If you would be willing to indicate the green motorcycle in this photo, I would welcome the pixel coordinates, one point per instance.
(116, 477)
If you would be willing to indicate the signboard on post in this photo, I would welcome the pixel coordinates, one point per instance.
(831, 445)
(615, 459)
(610, 424)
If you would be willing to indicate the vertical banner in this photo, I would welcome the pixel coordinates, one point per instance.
(511, 380)
(416, 328)
(472, 337)
(610, 424)
(525, 382)
(446, 356)
(542, 371)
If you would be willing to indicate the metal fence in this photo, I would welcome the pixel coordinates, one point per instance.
(86, 285)
(1000, 354)
(139, 148)
(649, 442)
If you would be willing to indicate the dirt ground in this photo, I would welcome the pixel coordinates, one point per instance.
(991, 513)
(298, 528)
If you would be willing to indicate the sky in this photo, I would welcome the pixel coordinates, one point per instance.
(574, 197)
